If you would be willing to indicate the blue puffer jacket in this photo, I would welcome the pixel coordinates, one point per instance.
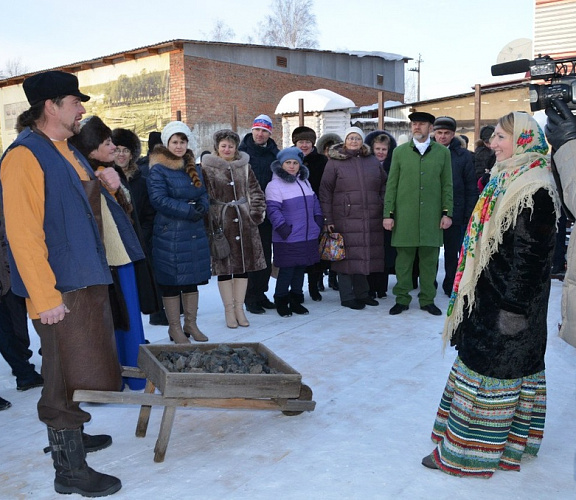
(180, 250)
(296, 217)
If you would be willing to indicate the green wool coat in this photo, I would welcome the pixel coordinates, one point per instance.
(419, 189)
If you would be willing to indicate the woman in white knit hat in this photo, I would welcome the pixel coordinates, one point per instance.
(351, 195)
(180, 251)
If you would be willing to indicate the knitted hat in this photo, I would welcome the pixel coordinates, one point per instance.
(445, 123)
(354, 130)
(421, 116)
(486, 132)
(51, 84)
(264, 122)
(93, 132)
(303, 134)
(292, 153)
(174, 128)
(220, 135)
(128, 139)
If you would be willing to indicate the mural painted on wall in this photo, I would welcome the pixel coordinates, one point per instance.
(133, 94)
(140, 103)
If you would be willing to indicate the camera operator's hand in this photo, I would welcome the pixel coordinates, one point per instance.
(561, 126)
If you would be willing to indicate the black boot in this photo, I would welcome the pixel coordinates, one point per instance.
(96, 442)
(72, 472)
(283, 306)
(333, 280)
(313, 286)
(296, 304)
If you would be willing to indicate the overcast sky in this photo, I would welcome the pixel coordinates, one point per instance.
(458, 40)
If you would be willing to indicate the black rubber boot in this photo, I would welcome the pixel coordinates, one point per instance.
(72, 472)
(283, 306)
(296, 304)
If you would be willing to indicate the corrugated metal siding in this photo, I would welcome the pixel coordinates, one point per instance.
(555, 28)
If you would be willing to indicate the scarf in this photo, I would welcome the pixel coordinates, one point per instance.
(510, 190)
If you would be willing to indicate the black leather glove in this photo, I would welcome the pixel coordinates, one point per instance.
(510, 323)
(561, 126)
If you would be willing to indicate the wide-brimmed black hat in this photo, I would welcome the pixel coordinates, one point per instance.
(51, 84)
(421, 116)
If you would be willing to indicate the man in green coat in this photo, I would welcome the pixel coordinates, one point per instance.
(417, 208)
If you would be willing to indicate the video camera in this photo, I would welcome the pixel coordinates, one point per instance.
(561, 73)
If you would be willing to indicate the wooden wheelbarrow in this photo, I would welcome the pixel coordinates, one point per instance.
(281, 391)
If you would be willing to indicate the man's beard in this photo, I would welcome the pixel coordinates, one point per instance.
(74, 127)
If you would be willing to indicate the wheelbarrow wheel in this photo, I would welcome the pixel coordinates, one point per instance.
(305, 395)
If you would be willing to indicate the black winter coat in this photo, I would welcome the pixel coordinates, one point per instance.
(464, 183)
(315, 163)
(261, 157)
(517, 279)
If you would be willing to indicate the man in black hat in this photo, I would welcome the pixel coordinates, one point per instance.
(51, 200)
(417, 208)
(465, 189)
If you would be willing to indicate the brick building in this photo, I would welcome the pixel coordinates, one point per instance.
(211, 85)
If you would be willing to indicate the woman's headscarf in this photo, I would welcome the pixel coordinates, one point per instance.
(510, 190)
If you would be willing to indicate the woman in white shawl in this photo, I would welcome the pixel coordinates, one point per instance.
(493, 407)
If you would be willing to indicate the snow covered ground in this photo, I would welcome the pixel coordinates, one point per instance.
(377, 380)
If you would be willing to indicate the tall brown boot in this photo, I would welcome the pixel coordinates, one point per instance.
(226, 292)
(190, 303)
(172, 309)
(239, 288)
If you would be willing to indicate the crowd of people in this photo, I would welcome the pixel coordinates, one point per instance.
(93, 228)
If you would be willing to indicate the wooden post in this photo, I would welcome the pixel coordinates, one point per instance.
(301, 112)
(179, 115)
(477, 111)
(234, 118)
(380, 110)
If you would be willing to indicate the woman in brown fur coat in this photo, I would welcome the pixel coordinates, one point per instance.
(237, 205)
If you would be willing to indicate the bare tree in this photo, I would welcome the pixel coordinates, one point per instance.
(13, 67)
(291, 24)
(221, 32)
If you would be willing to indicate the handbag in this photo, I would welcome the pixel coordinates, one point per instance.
(332, 247)
(219, 246)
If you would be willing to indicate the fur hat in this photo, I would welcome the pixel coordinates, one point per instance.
(93, 132)
(421, 116)
(153, 139)
(354, 130)
(225, 133)
(486, 132)
(128, 139)
(329, 138)
(264, 122)
(445, 123)
(303, 134)
(292, 153)
(175, 127)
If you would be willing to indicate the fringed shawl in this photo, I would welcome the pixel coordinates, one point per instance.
(510, 190)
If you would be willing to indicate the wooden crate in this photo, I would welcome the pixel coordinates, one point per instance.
(219, 385)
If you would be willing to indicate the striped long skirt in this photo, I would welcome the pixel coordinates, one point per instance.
(484, 423)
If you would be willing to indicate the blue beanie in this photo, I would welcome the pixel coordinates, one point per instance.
(292, 153)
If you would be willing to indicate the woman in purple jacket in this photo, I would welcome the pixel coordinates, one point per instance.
(296, 217)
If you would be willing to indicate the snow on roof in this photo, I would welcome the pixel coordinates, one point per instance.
(374, 107)
(384, 55)
(314, 100)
